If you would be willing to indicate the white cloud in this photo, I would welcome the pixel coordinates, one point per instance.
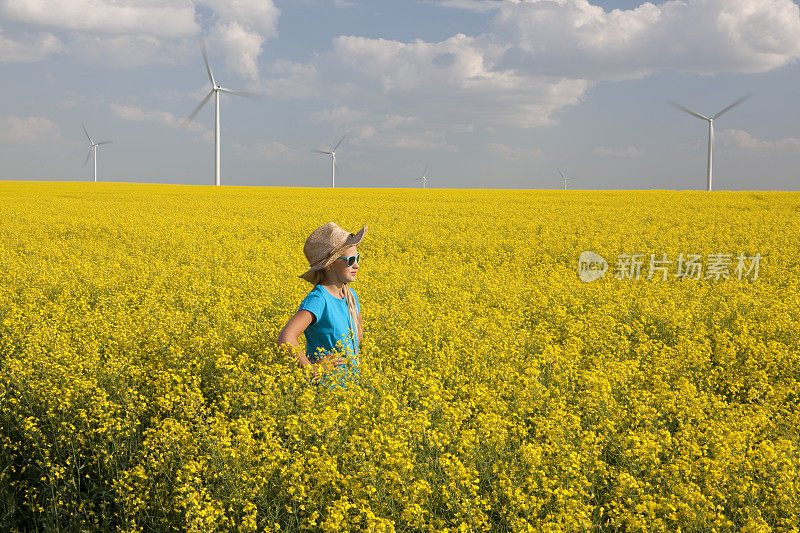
(261, 15)
(241, 28)
(383, 130)
(268, 151)
(430, 140)
(136, 32)
(574, 38)
(460, 62)
(31, 49)
(744, 141)
(462, 128)
(481, 6)
(344, 117)
(240, 46)
(339, 115)
(207, 137)
(447, 82)
(176, 19)
(195, 95)
(541, 56)
(509, 152)
(337, 3)
(289, 79)
(629, 152)
(166, 118)
(25, 130)
(538, 58)
(123, 50)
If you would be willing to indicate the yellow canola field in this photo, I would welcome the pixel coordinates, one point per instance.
(141, 388)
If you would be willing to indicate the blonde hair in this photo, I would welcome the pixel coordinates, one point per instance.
(352, 310)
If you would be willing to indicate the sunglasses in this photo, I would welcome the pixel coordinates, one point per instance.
(353, 259)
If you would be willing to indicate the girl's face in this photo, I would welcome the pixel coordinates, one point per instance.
(339, 268)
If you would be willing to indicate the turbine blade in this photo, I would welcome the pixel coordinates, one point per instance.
(197, 110)
(87, 134)
(321, 152)
(686, 110)
(737, 102)
(562, 174)
(88, 157)
(337, 144)
(208, 66)
(253, 96)
(104, 142)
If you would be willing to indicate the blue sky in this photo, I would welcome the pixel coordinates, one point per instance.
(485, 93)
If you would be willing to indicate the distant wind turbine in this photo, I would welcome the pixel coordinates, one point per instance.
(565, 179)
(710, 127)
(423, 178)
(215, 90)
(93, 150)
(332, 153)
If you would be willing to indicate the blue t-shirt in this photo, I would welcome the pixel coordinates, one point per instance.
(331, 323)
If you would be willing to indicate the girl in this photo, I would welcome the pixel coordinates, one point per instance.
(330, 316)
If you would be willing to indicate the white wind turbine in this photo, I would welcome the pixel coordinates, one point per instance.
(710, 127)
(332, 153)
(215, 90)
(565, 179)
(93, 150)
(423, 178)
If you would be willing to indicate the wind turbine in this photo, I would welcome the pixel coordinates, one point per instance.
(423, 178)
(215, 90)
(332, 153)
(565, 179)
(710, 126)
(93, 150)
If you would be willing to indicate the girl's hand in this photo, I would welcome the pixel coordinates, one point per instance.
(327, 362)
(332, 360)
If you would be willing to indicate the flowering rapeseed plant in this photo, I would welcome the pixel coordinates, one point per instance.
(141, 388)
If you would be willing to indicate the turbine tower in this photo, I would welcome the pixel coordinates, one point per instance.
(332, 153)
(710, 127)
(93, 150)
(423, 178)
(565, 179)
(215, 90)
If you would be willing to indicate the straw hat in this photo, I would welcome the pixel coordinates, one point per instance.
(324, 244)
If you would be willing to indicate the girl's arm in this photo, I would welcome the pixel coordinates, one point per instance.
(360, 327)
(288, 340)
